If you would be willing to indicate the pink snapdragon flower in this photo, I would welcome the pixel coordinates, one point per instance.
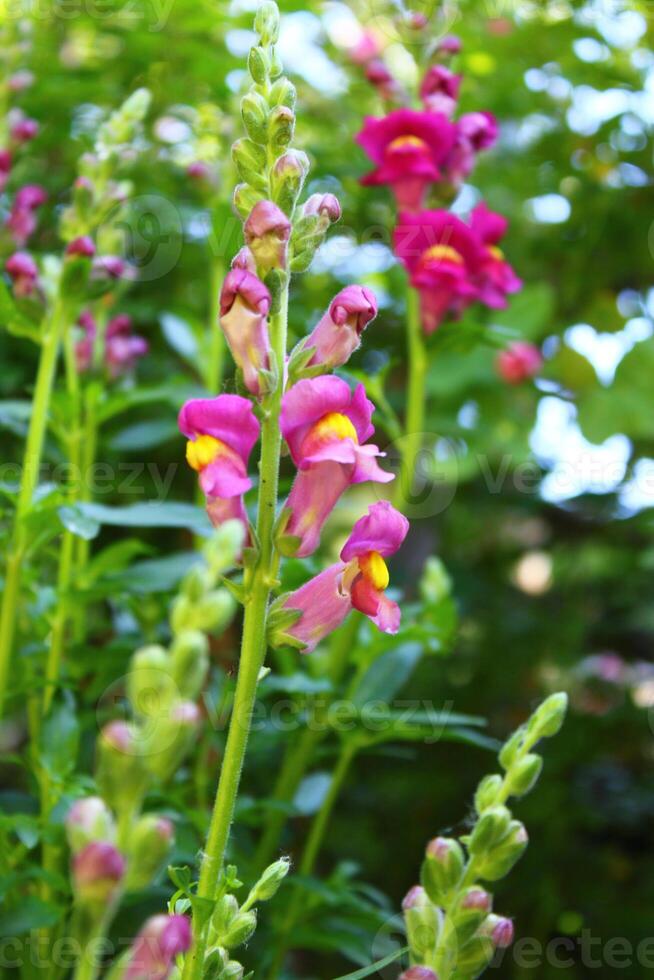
(122, 348)
(22, 218)
(409, 149)
(244, 307)
(439, 90)
(475, 131)
(267, 232)
(358, 581)
(496, 278)
(519, 362)
(338, 333)
(325, 426)
(160, 941)
(222, 432)
(97, 871)
(443, 258)
(24, 273)
(5, 168)
(24, 129)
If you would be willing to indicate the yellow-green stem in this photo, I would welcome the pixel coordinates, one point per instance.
(415, 413)
(253, 645)
(50, 345)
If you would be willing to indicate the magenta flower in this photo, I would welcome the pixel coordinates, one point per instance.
(5, 168)
(325, 426)
(378, 74)
(496, 278)
(244, 306)
(30, 196)
(82, 246)
(443, 258)
(338, 333)
(408, 148)
(160, 941)
(358, 581)
(222, 432)
(475, 131)
(24, 273)
(121, 348)
(97, 872)
(24, 130)
(450, 44)
(22, 218)
(267, 231)
(520, 362)
(439, 90)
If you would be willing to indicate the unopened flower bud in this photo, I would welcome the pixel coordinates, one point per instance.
(469, 912)
(269, 882)
(442, 868)
(523, 775)
(281, 127)
(498, 860)
(451, 44)
(267, 231)
(170, 737)
(338, 334)
(489, 830)
(120, 773)
(258, 65)
(250, 162)
(476, 898)
(266, 22)
(240, 930)
(189, 662)
(148, 847)
(160, 941)
(418, 973)
(254, 111)
(244, 306)
(89, 819)
(97, 871)
(486, 795)
(324, 206)
(111, 267)
(245, 199)
(30, 196)
(283, 92)
(150, 687)
(24, 130)
(422, 920)
(232, 971)
(287, 179)
(498, 929)
(82, 246)
(548, 718)
(24, 273)
(222, 551)
(226, 910)
(214, 611)
(244, 259)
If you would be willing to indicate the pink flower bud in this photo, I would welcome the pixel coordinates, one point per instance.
(323, 205)
(451, 44)
(418, 973)
(199, 170)
(439, 90)
(476, 898)
(244, 306)
(111, 267)
(88, 820)
(24, 130)
(244, 259)
(160, 941)
(30, 196)
(366, 48)
(82, 246)
(338, 334)
(97, 871)
(267, 231)
(414, 898)
(519, 363)
(24, 273)
(119, 735)
(499, 930)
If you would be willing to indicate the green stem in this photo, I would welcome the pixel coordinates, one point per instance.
(253, 645)
(415, 415)
(30, 474)
(312, 848)
(88, 967)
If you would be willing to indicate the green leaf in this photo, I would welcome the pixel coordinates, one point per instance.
(79, 523)
(311, 793)
(180, 336)
(144, 435)
(387, 674)
(376, 966)
(16, 322)
(32, 914)
(151, 513)
(59, 740)
(157, 574)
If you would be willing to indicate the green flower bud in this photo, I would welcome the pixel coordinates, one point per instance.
(258, 65)
(470, 911)
(214, 612)
(87, 820)
(181, 613)
(120, 771)
(283, 92)
(232, 971)
(548, 718)
(150, 686)
(245, 198)
(442, 868)
(240, 930)
(511, 748)
(473, 959)
(276, 66)
(423, 922)
(487, 791)
(269, 882)
(435, 583)
(523, 776)
(287, 179)
(189, 656)
(250, 161)
(489, 830)
(266, 22)
(169, 738)
(195, 584)
(281, 127)
(147, 848)
(254, 111)
(499, 860)
(224, 914)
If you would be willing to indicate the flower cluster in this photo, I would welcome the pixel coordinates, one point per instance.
(425, 154)
(450, 926)
(115, 346)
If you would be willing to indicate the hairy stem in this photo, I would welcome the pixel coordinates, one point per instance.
(253, 645)
(50, 345)
(415, 414)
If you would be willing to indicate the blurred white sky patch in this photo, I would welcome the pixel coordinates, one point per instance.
(548, 209)
(576, 465)
(300, 48)
(638, 492)
(343, 258)
(619, 25)
(606, 350)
